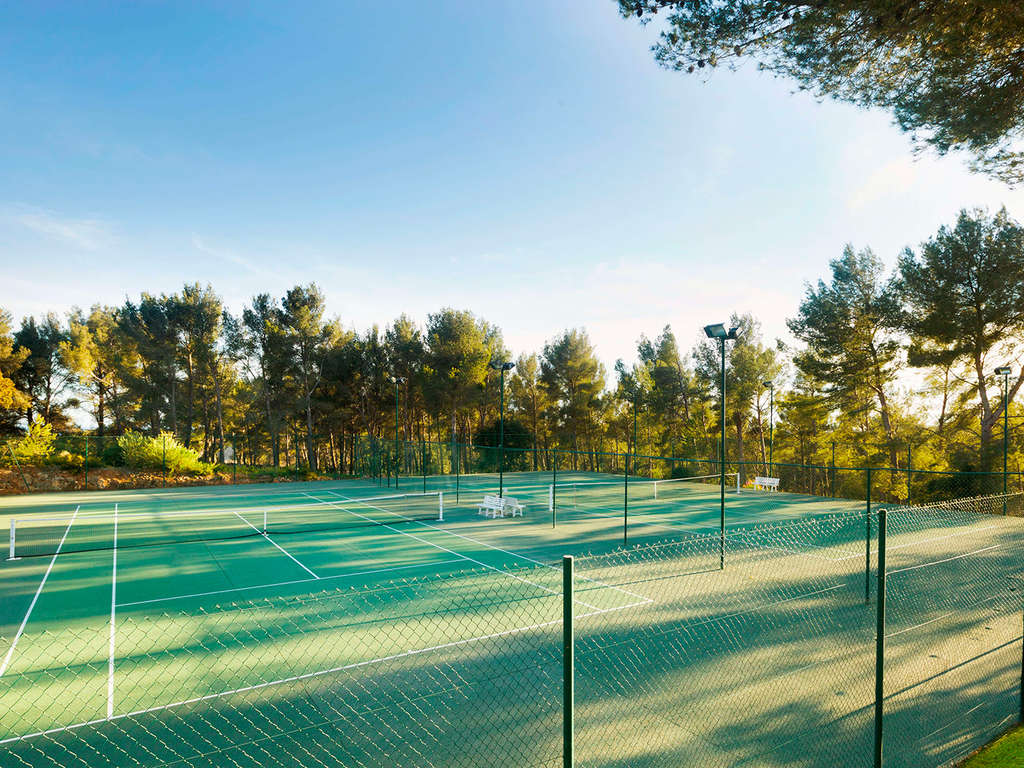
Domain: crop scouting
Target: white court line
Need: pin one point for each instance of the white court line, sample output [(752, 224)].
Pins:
[(266, 536), (389, 569), (113, 611), (39, 591), (513, 554), (918, 626), (945, 560), (946, 537), (340, 506), (311, 675)]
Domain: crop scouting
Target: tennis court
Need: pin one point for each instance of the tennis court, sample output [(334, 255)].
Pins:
[(142, 606)]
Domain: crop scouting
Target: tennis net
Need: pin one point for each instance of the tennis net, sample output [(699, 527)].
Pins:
[(37, 536), (610, 495)]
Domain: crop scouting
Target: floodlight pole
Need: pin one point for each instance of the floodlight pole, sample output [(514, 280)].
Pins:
[(718, 331), (501, 368), (397, 380), (721, 462), (771, 423)]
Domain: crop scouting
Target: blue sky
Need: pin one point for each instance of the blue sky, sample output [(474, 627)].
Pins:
[(527, 161)]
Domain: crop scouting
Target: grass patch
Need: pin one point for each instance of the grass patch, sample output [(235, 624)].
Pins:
[(1005, 752)]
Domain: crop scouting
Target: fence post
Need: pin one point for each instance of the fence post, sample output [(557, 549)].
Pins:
[(867, 543), (234, 460), (86, 462), (17, 465), (910, 478), (880, 640), (1022, 671), (568, 662), (163, 459), (625, 504), (833, 483), (554, 484)]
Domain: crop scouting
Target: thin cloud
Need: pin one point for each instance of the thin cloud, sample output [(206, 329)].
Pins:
[(84, 234), (226, 254)]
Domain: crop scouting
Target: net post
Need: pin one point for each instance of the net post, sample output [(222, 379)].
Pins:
[(867, 542), (737, 482), (440, 506), (11, 550), (264, 519), (568, 662), (880, 640)]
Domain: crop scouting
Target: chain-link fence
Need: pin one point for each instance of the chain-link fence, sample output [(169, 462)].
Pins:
[(92, 462), (890, 636)]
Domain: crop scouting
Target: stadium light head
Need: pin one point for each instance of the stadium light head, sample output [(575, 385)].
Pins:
[(768, 384), (716, 331), (500, 366), (1003, 371)]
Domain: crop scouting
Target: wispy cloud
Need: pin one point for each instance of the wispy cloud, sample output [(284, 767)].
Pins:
[(85, 234), (228, 255), (886, 182)]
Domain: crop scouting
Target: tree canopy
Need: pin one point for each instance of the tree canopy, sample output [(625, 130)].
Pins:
[(950, 73)]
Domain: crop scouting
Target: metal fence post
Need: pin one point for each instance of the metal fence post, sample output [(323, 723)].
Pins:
[(833, 483), (880, 640), (625, 504), (867, 542), (86, 462), (568, 662), (554, 484), (910, 478)]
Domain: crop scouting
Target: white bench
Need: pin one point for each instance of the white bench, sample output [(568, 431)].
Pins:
[(766, 483), (496, 506)]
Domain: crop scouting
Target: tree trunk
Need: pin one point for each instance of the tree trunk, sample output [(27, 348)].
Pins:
[(101, 397), (220, 418)]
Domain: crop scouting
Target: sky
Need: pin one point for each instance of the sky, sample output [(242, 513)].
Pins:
[(526, 161)]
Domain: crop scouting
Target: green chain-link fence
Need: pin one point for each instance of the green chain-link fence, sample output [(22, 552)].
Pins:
[(888, 635)]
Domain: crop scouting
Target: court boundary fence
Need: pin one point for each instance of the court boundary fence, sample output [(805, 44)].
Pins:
[(609, 655)]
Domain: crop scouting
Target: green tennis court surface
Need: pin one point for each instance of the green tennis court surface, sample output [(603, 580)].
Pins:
[(131, 607)]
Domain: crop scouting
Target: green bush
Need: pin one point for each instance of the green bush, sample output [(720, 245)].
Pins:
[(67, 460), (36, 445), (160, 452), (112, 455)]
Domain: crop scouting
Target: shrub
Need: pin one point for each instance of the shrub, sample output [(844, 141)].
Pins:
[(67, 460), (162, 451), (112, 455), (36, 445)]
